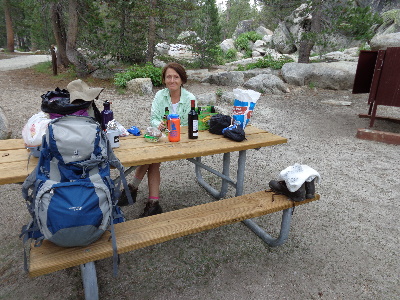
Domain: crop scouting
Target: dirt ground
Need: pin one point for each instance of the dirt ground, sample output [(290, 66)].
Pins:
[(344, 246)]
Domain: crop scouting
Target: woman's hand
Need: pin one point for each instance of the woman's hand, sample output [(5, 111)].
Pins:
[(162, 126)]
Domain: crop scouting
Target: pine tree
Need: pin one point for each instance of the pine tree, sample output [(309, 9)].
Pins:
[(208, 33), (236, 11)]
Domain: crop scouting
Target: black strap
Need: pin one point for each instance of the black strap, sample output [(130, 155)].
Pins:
[(97, 113)]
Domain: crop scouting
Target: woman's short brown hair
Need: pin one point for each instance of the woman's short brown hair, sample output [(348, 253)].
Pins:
[(178, 69)]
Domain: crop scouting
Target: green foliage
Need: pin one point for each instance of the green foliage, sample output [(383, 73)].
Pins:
[(364, 47), (275, 11), (231, 54), (117, 29), (44, 67), (391, 16), (242, 41), (267, 62), (236, 11), (136, 71), (218, 55), (219, 92), (47, 68), (357, 21), (208, 30), (31, 25)]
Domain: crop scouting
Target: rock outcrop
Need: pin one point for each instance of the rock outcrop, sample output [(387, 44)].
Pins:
[(335, 75)]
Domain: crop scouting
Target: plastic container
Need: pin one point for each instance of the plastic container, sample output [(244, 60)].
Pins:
[(151, 139), (113, 137), (174, 128)]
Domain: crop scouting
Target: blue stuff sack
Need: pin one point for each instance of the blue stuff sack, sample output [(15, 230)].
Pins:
[(235, 133), (134, 130)]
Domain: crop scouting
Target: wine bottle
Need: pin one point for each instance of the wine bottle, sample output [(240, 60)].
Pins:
[(165, 119), (193, 120)]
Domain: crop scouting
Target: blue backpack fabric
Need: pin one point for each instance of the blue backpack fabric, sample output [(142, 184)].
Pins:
[(70, 194)]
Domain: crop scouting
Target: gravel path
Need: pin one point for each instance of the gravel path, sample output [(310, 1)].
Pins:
[(344, 246), (22, 62)]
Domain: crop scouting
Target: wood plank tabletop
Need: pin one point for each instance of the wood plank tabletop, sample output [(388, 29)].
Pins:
[(134, 150)]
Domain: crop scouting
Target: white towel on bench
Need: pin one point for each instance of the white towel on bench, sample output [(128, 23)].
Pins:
[(294, 176)]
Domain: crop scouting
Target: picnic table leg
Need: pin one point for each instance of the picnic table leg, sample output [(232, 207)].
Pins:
[(89, 279), (268, 239), (224, 175), (126, 173), (240, 173)]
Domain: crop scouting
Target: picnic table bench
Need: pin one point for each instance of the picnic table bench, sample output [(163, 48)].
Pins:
[(139, 233)]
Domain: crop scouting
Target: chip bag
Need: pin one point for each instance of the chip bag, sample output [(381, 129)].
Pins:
[(243, 106)]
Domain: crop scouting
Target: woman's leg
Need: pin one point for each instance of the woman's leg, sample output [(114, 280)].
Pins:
[(153, 177), (154, 180), (141, 171), (152, 205), (133, 187)]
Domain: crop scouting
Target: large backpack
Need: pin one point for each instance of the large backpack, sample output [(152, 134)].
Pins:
[(70, 194)]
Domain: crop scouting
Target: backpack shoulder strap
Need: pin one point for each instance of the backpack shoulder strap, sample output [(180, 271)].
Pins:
[(29, 183), (115, 162), (96, 112)]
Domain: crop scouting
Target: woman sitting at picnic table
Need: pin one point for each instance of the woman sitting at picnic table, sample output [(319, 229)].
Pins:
[(177, 99)]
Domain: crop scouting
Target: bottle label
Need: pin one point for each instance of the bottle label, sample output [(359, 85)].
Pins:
[(173, 131), (195, 128)]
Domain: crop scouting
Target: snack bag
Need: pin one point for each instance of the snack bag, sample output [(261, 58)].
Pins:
[(34, 129), (205, 115), (243, 106)]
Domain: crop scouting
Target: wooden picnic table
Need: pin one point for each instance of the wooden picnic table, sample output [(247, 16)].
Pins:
[(135, 151), (134, 234)]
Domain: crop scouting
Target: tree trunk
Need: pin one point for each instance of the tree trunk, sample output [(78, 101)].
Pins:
[(152, 32), (306, 44), (9, 26), (305, 48), (59, 35), (73, 54)]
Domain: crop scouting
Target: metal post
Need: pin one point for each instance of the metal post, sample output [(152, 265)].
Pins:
[(286, 214), (53, 60), (225, 170), (240, 173), (126, 173), (224, 175), (89, 279), (268, 239)]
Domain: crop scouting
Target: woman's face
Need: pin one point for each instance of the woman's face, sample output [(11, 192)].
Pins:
[(172, 80)]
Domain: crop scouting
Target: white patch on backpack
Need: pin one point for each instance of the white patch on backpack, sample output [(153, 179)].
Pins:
[(76, 155), (75, 208)]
